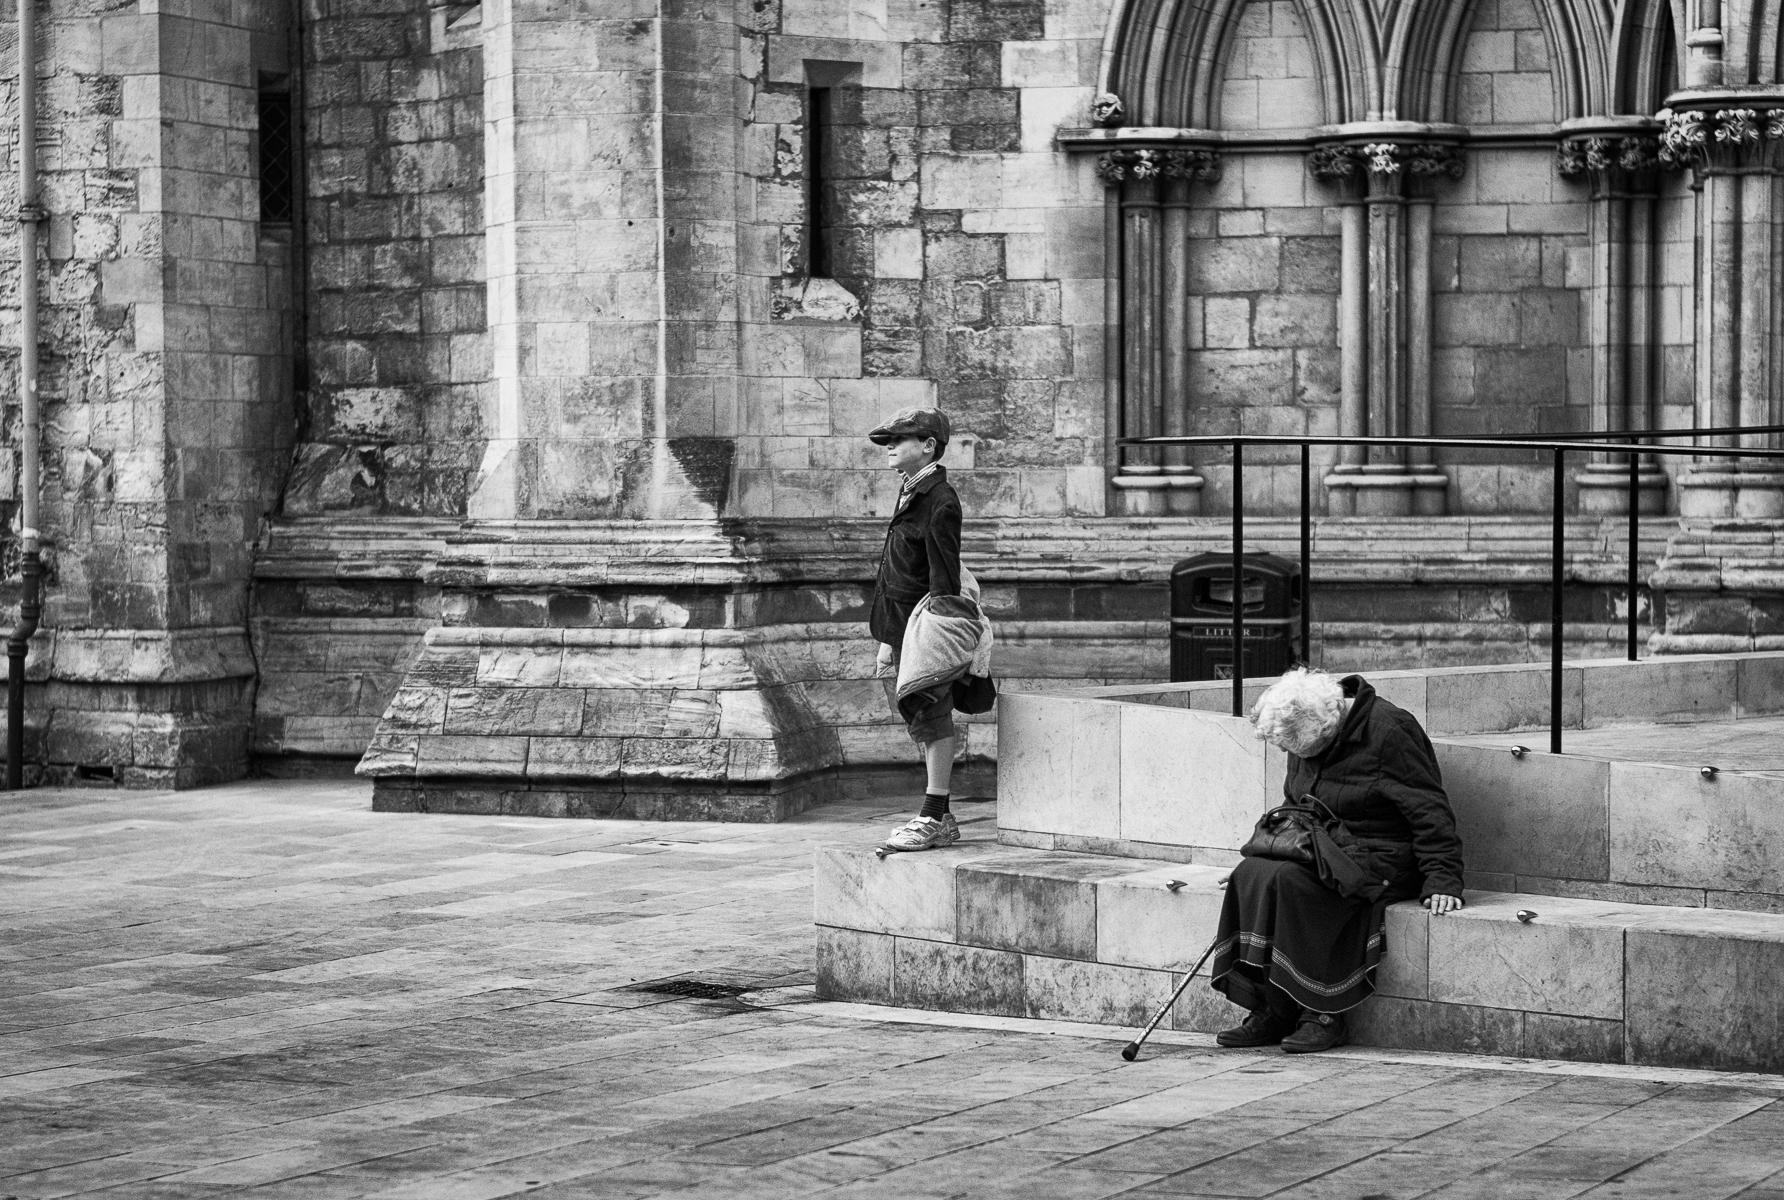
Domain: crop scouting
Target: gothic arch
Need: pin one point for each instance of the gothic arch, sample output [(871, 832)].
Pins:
[(1426, 41), (1644, 54), (1168, 55)]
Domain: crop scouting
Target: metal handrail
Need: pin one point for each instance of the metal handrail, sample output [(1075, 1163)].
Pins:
[(1559, 445)]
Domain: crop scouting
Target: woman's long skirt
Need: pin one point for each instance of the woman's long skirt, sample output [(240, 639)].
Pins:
[(1283, 931)]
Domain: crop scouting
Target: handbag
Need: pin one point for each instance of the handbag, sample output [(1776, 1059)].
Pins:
[(974, 694), (1311, 834)]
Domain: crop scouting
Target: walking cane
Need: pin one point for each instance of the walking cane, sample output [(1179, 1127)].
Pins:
[(1131, 1051)]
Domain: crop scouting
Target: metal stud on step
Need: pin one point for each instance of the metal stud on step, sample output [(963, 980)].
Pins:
[(1709, 772), (1519, 751)]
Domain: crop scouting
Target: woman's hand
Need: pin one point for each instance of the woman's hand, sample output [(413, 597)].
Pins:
[(1440, 903), (883, 661)]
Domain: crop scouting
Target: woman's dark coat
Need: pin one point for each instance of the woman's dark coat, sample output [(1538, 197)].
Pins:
[(922, 556), (1380, 777)]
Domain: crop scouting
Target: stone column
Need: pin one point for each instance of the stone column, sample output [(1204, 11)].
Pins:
[(611, 267), (1151, 243), (1735, 152), (1386, 331), (1620, 160)]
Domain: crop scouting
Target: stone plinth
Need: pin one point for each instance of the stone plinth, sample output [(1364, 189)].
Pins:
[(780, 608)]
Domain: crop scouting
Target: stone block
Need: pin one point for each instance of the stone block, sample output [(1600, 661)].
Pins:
[(1226, 323), (480, 756), (563, 758), (1426, 1025), (1060, 990), (963, 181), (1499, 699), (510, 711), (854, 966), (1404, 969), (1218, 266), (1568, 961), (1507, 811), (1761, 684), (1660, 689), (390, 755), (937, 975), (1037, 903), (1189, 778), (1702, 992), (909, 895), (416, 710), (1573, 1039), (1669, 826), (1060, 771), (1295, 321), (598, 667), (1141, 924), (1201, 1009)]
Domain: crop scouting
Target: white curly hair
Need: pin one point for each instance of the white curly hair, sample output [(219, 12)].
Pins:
[(1300, 712)]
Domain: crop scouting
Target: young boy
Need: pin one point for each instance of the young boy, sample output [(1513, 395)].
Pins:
[(921, 558)]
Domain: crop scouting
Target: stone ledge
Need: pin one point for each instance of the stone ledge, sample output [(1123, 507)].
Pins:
[(140, 656), (987, 928)]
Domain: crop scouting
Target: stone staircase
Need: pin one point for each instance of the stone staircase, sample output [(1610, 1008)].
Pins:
[(1658, 887)]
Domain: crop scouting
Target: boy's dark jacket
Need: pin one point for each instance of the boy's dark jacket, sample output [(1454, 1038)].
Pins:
[(922, 556), (1380, 777)]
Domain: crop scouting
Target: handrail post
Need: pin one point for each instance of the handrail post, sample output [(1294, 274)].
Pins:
[(1634, 545), (1556, 575), (1238, 577), (1306, 552)]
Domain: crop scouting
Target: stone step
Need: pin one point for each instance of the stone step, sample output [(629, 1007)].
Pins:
[(987, 928)]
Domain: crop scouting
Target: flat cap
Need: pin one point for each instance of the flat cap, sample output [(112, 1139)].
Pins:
[(909, 422)]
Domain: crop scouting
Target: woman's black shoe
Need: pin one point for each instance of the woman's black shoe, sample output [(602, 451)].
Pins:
[(1316, 1032), (1261, 1028)]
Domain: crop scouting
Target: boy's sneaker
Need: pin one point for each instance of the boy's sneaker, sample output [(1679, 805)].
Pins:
[(925, 833)]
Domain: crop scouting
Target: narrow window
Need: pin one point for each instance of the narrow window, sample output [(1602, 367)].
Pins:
[(276, 174), (819, 201)]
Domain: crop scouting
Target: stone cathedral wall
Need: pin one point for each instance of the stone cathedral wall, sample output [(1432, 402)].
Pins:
[(583, 308)]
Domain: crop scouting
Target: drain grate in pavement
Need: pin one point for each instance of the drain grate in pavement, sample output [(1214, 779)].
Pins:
[(695, 989)]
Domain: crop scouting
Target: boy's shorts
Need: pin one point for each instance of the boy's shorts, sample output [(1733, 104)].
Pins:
[(928, 714)]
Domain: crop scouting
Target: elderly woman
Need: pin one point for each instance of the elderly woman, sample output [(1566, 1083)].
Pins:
[(1293, 951)]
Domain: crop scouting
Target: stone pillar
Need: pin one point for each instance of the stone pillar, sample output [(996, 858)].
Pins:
[(1386, 333), (1735, 153), (1152, 247), (1620, 161), (166, 385), (610, 243)]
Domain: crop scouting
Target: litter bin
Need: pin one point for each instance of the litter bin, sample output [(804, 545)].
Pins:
[(1202, 616)]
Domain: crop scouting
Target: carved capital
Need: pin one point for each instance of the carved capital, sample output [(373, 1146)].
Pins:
[(1421, 159), (1721, 138), (1201, 166), (1608, 157)]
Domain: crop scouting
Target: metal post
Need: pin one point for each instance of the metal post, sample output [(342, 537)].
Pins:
[(1556, 574), (30, 216), (1238, 578), (1306, 552), (1634, 545)]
